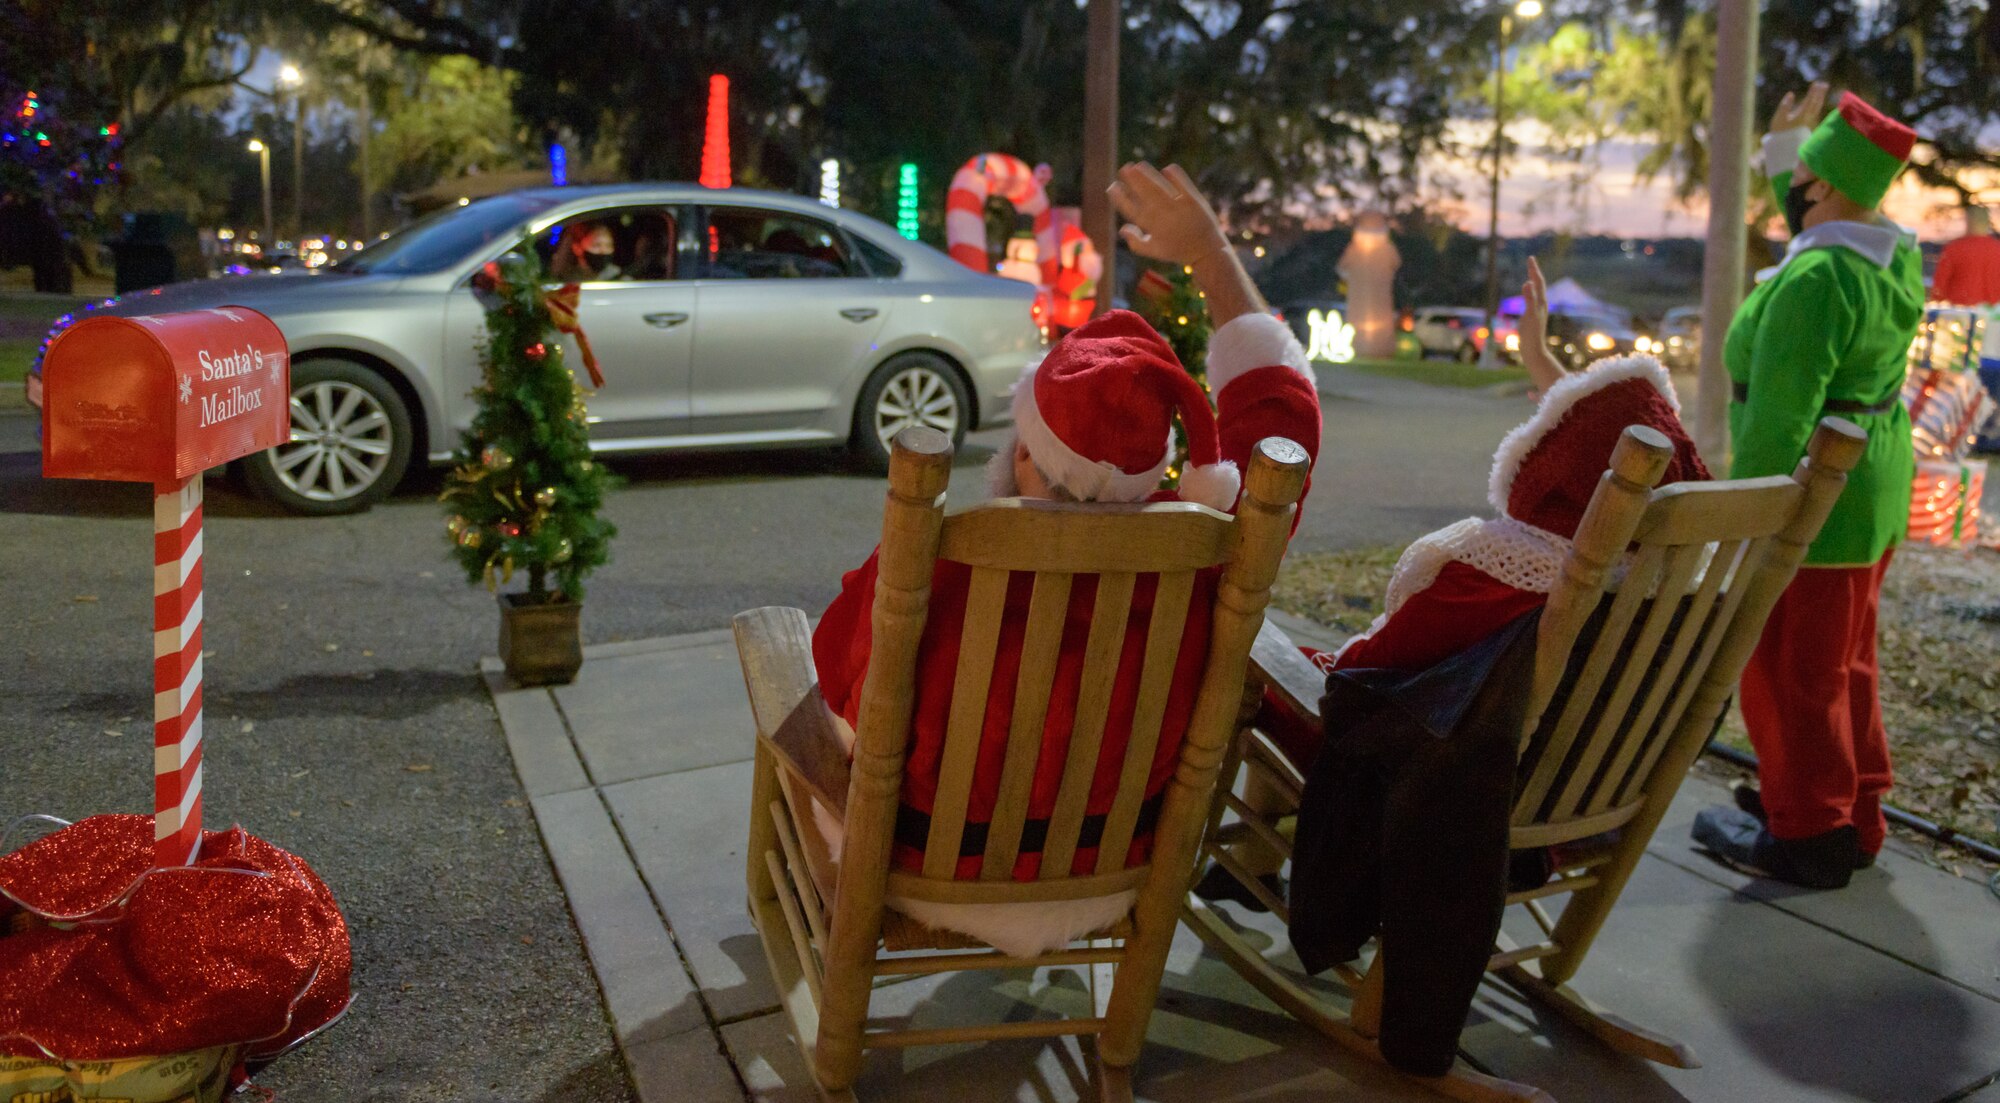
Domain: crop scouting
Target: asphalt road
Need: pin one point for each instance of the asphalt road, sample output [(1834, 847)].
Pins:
[(345, 721)]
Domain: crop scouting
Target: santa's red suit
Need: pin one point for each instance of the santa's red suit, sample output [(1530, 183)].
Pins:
[(1096, 419), (1460, 584)]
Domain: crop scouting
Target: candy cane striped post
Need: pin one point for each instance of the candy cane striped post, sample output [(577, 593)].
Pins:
[(177, 671)]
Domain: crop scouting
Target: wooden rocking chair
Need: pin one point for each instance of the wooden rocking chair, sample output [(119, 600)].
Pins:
[(1625, 694), (826, 929)]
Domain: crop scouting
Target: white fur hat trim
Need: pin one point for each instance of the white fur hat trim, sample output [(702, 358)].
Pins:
[(1567, 392), (1249, 342), (1089, 480)]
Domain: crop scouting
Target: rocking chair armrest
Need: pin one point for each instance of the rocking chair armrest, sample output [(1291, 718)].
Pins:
[(774, 645), (1277, 662)]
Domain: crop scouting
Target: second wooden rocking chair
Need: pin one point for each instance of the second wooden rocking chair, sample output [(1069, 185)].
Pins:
[(1625, 693)]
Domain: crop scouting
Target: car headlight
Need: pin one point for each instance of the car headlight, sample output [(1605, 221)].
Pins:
[(1600, 342), (1674, 341), (1642, 344), (1513, 342)]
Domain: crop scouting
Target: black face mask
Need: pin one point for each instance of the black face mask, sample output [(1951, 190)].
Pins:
[(1796, 206)]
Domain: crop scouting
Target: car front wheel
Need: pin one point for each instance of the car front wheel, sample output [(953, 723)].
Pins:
[(351, 441), (916, 388)]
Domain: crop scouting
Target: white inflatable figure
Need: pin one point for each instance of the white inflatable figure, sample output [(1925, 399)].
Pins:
[(1369, 267)]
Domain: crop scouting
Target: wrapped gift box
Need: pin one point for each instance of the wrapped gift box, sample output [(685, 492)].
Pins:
[(1944, 505)]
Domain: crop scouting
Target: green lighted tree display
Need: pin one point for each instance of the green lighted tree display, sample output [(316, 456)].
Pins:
[(524, 492), (1169, 301)]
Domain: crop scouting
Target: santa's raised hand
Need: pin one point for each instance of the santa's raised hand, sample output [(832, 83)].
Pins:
[(1166, 216)]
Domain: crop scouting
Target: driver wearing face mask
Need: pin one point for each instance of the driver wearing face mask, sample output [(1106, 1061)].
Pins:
[(1826, 331), (584, 254)]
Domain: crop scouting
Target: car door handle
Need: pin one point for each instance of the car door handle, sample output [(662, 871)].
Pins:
[(859, 313), (666, 320)]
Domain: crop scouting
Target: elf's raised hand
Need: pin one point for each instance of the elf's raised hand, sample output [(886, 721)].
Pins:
[(1794, 112), (1166, 216)]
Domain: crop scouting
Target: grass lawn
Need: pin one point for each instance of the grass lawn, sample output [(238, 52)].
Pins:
[(15, 354), (25, 318), (1940, 693), (1441, 373)]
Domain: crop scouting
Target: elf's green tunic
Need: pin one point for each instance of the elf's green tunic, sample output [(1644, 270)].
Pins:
[(1830, 325)]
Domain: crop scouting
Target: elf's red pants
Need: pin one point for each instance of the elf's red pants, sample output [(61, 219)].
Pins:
[(1809, 699)]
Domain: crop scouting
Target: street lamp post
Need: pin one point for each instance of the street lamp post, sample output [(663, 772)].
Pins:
[(290, 77), (1526, 9), (263, 153)]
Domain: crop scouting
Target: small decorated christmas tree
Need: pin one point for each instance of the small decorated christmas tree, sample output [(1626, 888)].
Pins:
[(524, 492), (1169, 301)]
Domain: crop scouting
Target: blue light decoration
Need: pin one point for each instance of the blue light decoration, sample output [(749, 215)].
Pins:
[(558, 164), (906, 200)]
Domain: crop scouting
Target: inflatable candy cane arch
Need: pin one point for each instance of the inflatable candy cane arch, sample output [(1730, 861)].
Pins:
[(1007, 177)]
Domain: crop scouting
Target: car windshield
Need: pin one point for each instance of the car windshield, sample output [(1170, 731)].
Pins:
[(443, 238)]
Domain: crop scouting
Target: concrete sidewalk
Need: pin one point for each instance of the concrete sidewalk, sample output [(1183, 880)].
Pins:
[(639, 779)]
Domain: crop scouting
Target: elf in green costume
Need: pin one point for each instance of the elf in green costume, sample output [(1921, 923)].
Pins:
[(1827, 331)]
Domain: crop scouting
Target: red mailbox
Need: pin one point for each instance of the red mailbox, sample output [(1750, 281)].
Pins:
[(157, 399)]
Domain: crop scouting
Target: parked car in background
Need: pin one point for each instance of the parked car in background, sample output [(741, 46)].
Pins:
[(1577, 337), (1680, 338), (724, 319), (1449, 331)]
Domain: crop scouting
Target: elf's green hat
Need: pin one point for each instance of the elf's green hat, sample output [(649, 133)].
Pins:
[(1858, 150)]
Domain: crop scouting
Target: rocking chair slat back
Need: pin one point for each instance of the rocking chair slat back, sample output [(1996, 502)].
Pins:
[(1163, 649), (985, 606), (1048, 612), (1101, 656)]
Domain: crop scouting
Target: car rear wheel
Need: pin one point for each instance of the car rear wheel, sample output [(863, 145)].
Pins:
[(1467, 354), (916, 388), (351, 442)]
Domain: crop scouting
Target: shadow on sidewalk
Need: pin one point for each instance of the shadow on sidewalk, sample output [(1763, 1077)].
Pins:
[(1802, 1020)]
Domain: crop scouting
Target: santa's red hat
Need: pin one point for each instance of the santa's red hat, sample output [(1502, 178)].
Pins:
[(1546, 469), (1096, 416)]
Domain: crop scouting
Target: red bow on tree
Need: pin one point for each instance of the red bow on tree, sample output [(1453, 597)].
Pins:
[(489, 283), (562, 304)]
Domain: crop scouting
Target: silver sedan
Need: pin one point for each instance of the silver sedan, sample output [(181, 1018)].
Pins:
[(722, 318)]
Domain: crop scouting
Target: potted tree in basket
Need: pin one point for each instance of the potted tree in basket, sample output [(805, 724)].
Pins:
[(524, 492)]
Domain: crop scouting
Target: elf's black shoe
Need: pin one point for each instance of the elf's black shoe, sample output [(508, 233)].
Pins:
[(1751, 799), (1219, 884), (1823, 861)]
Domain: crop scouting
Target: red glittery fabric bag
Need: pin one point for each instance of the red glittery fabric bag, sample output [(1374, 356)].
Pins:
[(104, 957)]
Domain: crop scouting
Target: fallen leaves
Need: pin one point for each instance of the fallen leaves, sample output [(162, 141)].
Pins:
[(1340, 589), (1938, 643), (418, 768)]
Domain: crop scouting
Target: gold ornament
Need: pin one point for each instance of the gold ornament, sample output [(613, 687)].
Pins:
[(546, 497), (454, 524), (468, 538), (564, 549), (496, 457)]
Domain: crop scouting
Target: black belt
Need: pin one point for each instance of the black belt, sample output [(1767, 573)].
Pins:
[(913, 829), (1741, 391)]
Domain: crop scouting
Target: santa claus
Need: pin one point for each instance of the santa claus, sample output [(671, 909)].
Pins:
[(1093, 423)]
